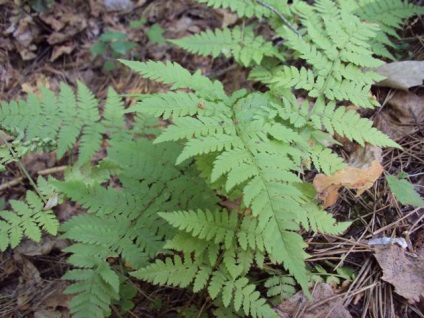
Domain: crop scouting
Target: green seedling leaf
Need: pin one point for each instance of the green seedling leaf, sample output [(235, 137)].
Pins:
[(404, 192), (109, 66), (112, 36), (41, 6), (122, 47), (99, 48), (136, 24), (155, 34), (346, 272)]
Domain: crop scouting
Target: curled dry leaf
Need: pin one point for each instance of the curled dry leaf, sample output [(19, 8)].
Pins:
[(317, 307), (44, 247), (359, 179), (58, 51), (405, 272), (402, 115)]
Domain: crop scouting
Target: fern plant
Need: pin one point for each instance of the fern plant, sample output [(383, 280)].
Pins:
[(253, 145), (164, 196)]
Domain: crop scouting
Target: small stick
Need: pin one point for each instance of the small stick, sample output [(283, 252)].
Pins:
[(11, 183), (266, 5), (51, 170)]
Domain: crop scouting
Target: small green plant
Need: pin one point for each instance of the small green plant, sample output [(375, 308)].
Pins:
[(154, 33), (250, 147), (404, 191), (111, 44)]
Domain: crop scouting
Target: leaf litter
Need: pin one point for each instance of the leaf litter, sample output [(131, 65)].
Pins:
[(405, 271), (324, 303)]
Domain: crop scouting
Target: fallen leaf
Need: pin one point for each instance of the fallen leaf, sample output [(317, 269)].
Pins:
[(118, 5), (401, 75), (41, 81), (28, 282), (58, 51), (405, 272), (74, 25), (25, 32), (54, 295), (360, 179), (317, 307), (45, 313), (54, 23), (44, 247), (228, 18), (402, 114)]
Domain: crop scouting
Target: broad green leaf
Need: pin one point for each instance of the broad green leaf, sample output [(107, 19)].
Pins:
[(404, 192)]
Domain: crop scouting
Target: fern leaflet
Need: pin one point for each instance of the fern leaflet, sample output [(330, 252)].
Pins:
[(243, 45), (27, 218)]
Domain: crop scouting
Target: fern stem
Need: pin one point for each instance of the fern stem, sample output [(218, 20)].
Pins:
[(22, 168), (266, 5)]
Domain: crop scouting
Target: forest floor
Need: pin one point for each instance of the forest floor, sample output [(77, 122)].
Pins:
[(43, 44)]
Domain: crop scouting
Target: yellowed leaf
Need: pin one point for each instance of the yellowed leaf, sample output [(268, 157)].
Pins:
[(359, 179)]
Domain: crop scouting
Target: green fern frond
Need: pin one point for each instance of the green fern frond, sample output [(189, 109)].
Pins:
[(281, 286), (98, 200), (326, 161), (241, 294), (187, 127), (216, 226), (337, 45), (389, 15), (94, 290), (321, 221), (208, 144), (63, 118), (175, 272), (174, 104), (105, 233), (346, 122), (268, 168), (179, 77), (243, 8), (243, 45), (26, 219)]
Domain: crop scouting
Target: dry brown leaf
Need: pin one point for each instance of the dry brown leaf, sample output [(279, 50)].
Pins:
[(401, 75), (44, 247), (359, 179), (58, 51), (44, 313), (55, 24), (405, 272), (28, 282), (54, 296), (401, 116), (30, 88), (317, 307), (228, 18), (25, 32), (74, 25)]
